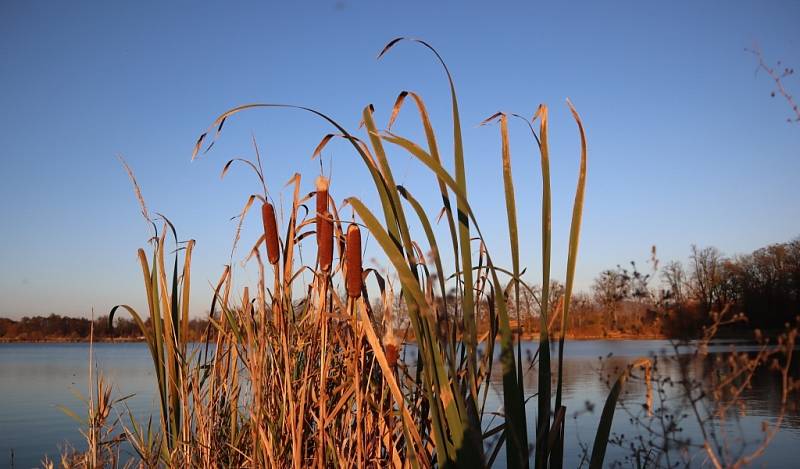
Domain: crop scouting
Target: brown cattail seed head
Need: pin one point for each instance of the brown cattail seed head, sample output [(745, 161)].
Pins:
[(270, 232), (354, 268), (392, 354), (325, 241), (324, 226), (322, 194)]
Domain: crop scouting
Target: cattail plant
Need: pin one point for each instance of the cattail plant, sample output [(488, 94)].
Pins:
[(354, 267), (325, 389), (324, 226), (270, 232)]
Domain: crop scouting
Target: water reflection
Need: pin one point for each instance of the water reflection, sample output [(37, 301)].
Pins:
[(590, 368), (34, 378)]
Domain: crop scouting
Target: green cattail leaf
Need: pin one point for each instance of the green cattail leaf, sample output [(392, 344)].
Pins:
[(574, 238), (543, 424), (607, 417)]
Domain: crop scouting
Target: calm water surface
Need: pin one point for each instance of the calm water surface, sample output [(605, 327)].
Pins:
[(36, 378)]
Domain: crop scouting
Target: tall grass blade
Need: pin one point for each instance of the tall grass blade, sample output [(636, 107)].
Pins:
[(574, 238), (543, 422)]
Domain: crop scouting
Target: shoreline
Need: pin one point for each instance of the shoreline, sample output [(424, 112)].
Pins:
[(525, 337), (69, 340)]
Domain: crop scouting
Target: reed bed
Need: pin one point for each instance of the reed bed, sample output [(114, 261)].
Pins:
[(319, 378)]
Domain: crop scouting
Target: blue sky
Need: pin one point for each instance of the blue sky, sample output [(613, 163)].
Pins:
[(685, 144)]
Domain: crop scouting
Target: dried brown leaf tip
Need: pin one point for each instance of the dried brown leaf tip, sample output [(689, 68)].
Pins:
[(324, 226), (354, 267), (270, 232)]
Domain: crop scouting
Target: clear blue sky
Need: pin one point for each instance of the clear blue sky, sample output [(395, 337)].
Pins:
[(685, 144)]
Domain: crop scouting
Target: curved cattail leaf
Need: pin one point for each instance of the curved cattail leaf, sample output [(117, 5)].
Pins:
[(199, 144), (270, 232), (389, 45), (396, 108), (321, 145), (241, 160), (371, 111), (354, 267), (361, 146), (170, 225), (493, 117), (530, 126), (300, 271), (304, 235)]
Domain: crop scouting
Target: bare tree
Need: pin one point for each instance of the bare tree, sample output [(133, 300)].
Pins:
[(706, 276), (778, 75), (674, 275), (609, 288)]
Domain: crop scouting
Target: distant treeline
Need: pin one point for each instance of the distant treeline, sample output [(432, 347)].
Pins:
[(679, 298), (62, 328), (763, 285), (676, 299)]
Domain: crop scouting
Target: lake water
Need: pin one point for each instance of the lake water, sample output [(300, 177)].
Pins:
[(36, 378)]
